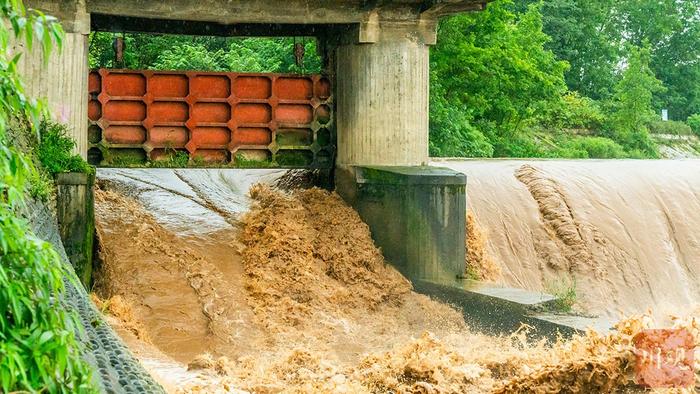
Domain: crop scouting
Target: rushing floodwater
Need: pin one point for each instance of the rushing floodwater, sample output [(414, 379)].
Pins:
[(294, 297), (628, 231)]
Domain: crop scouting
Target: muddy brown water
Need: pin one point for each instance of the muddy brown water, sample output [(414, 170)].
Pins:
[(218, 292), (625, 230)]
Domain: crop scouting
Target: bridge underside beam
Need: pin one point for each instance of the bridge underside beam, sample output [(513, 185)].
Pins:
[(129, 24), (281, 11)]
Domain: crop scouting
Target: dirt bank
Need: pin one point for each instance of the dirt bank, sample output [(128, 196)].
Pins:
[(625, 231)]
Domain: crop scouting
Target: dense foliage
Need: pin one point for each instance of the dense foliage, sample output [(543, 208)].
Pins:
[(694, 123), (562, 77), (171, 52), (38, 348), (492, 69), (632, 104)]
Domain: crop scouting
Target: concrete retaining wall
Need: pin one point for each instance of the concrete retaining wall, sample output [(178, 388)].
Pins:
[(61, 83), (75, 210)]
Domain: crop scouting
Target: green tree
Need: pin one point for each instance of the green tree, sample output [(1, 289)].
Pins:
[(584, 33), (451, 131), (190, 57), (632, 103), (492, 73), (272, 55), (203, 53), (593, 36), (672, 29)]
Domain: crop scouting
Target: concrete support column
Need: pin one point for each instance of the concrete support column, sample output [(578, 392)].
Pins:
[(62, 80), (382, 94), (416, 212)]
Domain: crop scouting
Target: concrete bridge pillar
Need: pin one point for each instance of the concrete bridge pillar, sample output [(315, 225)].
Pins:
[(416, 212), (61, 81), (382, 93)]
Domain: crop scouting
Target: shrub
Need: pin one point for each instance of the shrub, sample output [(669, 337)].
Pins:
[(694, 123), (55, 150), (669, 127), (516, 144), (175, 159), (569, 152), (37, 335), (453, 135), (638, 140), (576, 112), (40, 185), (595, 148), (564, 290)]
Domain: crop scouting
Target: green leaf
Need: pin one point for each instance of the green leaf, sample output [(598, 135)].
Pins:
[(45, 337)]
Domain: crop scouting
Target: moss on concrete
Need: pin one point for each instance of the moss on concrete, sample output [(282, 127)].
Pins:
[(243, 162), (124, 157), (417, 216)]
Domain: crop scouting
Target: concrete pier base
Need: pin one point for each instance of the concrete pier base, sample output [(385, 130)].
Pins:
[(416, 215), (75, 212)]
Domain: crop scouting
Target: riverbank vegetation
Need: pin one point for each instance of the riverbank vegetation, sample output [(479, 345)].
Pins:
[(565, 78), (39, 351)]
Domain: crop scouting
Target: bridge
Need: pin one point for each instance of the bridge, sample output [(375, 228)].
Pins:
[(364, 120)]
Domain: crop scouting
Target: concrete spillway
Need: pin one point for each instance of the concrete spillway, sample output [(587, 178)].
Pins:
[(626, 231)]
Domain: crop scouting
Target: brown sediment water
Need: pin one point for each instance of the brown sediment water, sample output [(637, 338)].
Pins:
[(626, 231), (215, 291), (480, 264)]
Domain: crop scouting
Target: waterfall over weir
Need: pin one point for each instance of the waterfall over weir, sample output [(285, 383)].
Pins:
[(627, 231)]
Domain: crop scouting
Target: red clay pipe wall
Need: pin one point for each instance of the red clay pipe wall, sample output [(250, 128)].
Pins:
[(223, 119)]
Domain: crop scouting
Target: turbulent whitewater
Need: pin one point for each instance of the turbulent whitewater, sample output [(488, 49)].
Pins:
[(220, 282)]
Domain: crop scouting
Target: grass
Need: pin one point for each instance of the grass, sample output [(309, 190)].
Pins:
[(55, 150), (243, 162), (176, 159), (40, 185), (472, 273), (50, 151), (564, 289)]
